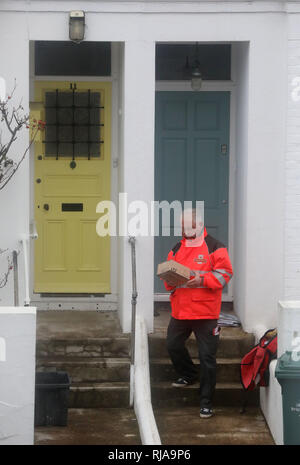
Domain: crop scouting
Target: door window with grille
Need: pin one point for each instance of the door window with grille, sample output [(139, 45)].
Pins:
[(73, 124)]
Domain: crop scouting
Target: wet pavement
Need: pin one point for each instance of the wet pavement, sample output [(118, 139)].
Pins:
[(103, 426)]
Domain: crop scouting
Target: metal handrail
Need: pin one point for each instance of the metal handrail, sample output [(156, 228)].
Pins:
[(140, 392), (133, 317)]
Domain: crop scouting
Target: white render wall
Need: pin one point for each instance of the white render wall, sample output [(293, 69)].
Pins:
[(15, 198), (292, 165), (17, 374), (260, 145)]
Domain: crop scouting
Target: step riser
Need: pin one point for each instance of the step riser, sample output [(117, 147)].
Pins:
[(105, 347), (174, 397), (167, 397), (225, 373), (228, 348), (85, 374), (91, 398)]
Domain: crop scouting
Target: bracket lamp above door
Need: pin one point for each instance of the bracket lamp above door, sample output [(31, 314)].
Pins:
[(77, 26)]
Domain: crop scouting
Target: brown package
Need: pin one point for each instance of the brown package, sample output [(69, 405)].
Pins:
[(173, 273)]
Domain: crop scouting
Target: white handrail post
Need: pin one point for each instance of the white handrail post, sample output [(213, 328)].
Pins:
[(16, 278), (26, 270), (25, 242)]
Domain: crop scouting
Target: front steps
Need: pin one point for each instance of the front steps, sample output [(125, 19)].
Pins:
[(234, 344), (91, 348), (176, 410)]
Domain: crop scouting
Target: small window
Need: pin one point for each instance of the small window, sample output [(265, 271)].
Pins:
[(175, 61), (73, 127), (70, 59)]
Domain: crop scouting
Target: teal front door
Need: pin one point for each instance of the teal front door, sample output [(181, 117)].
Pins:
[(192, 159)]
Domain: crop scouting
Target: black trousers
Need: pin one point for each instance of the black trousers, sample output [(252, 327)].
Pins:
[(207, 341)]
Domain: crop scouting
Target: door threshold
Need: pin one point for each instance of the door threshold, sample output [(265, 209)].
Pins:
[(75, 305), (72, 295)]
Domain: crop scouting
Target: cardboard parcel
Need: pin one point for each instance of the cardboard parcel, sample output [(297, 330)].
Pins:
[(173, 273)]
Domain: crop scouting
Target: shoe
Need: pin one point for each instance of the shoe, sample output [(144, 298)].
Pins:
[(181, 382), (206, 412)]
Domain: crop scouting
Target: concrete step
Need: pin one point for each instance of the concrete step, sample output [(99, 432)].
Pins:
[(234, 343), (228, 369), (99, 395), (105, 426), (163, 394), (112, 346), (183, 426), (88, 369)]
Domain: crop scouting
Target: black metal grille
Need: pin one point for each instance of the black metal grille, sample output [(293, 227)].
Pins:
[(73, 126)]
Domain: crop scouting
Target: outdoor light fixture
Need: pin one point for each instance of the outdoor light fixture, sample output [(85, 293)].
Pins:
[(196, 79), (76, 26)]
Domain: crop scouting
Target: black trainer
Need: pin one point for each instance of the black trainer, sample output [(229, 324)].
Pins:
[(206, 412), (182, 382)]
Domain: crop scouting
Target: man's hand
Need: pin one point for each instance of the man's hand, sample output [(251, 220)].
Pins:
[(197, 281)]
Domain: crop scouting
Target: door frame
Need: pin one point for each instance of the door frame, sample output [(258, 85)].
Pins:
[(179, 86), (80, 302)]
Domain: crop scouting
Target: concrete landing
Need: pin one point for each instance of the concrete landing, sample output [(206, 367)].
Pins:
[(183, 426), (62, 324), (105, 426)]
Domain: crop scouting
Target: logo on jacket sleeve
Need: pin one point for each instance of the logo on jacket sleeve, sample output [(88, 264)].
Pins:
[(200, 259)]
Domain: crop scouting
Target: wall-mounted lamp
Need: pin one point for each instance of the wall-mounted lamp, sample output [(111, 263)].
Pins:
[(196, 76), (76, 26), (196, 80)]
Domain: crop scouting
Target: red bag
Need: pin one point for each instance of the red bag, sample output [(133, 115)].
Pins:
[(255, 364)]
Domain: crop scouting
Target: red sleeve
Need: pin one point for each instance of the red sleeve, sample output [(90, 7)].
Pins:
[(221, 272)]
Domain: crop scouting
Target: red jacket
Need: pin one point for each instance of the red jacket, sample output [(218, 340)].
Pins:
[(213, 261)]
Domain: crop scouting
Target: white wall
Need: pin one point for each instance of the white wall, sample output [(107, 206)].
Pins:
[(138, 172), (17, 375), (14, 198), (260, 184), (271, 405), (259, 219), (241, 54), (292, 166)]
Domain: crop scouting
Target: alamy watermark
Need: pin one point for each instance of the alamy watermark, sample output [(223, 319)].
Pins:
[(140, 218)]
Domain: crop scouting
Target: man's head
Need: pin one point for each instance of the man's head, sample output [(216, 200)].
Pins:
[(192, 223)]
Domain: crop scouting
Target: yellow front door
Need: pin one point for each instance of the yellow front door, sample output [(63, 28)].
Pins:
[(72, 174)]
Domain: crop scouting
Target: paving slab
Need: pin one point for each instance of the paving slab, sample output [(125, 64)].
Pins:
[(103, 426), (183, 426)]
